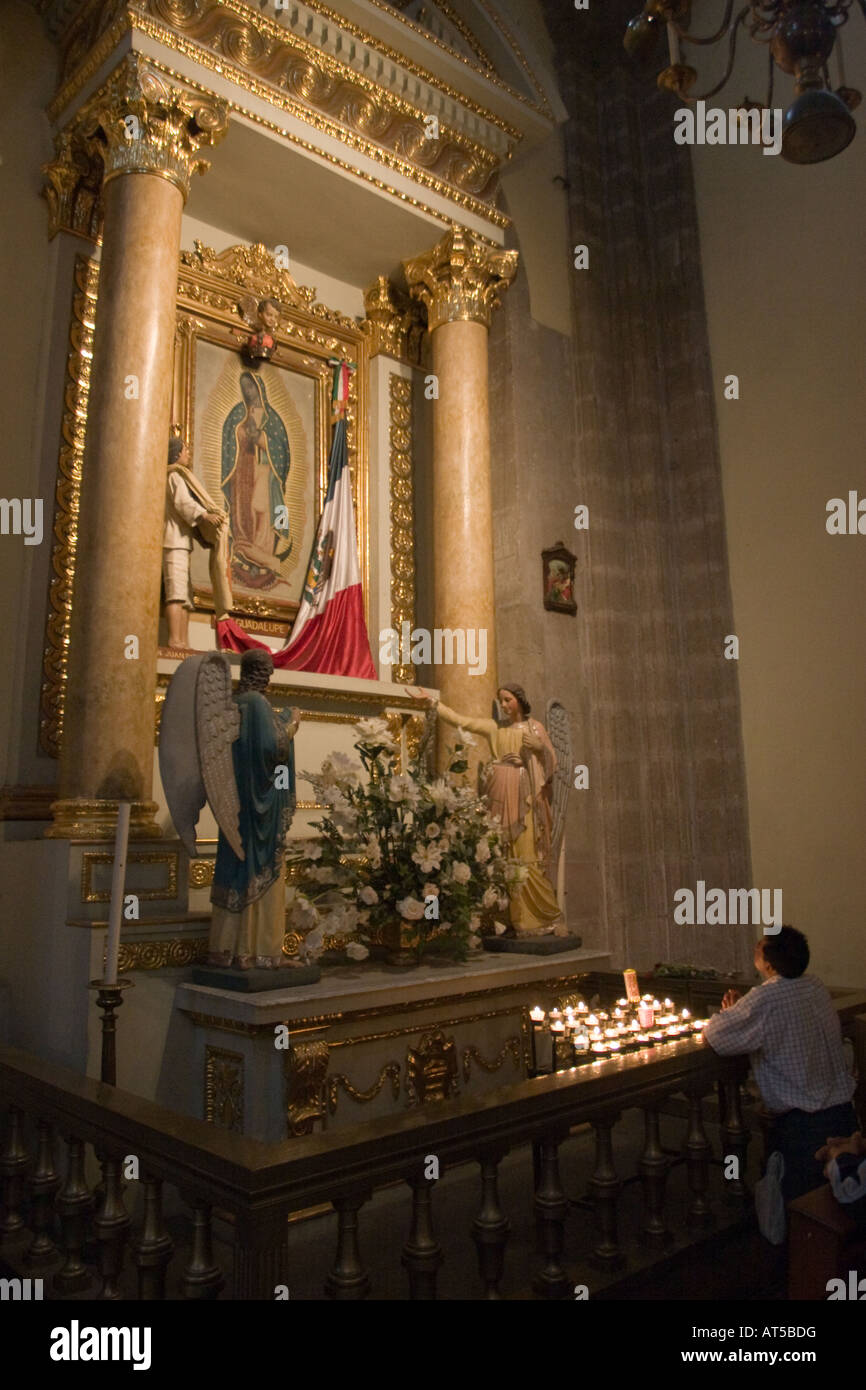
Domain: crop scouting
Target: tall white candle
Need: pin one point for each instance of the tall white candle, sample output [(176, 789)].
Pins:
[(118, 877)]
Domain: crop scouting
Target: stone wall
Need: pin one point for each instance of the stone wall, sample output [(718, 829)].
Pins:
[(621, 418)]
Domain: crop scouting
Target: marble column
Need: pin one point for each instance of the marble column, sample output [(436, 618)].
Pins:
[(148, 136), (460, 281)]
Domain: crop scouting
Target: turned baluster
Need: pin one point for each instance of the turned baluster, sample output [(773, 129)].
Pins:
[(422, 1253), (43, 1189), (348, 1278), (202, 1278), (735, 1140), (604, 1188), (13, 1163), (153, 1248), (550, 1208), (111, 1225), (654, 1171), (698, 1161), (490, 1228), (74, 1205)]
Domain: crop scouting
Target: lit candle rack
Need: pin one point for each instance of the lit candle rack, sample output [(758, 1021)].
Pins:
[(562, 1039)]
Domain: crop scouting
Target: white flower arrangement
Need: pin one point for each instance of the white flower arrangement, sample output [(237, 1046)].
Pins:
[(399, 846)]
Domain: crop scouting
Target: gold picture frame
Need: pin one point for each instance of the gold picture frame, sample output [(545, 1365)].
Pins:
[(296, 383)]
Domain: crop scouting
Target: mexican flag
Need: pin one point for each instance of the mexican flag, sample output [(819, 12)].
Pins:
[(329, 633)]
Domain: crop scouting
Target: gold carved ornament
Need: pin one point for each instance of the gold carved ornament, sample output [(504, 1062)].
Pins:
[(162, 953), (402, 515), (510, 1048), (462, 278), (268, 59), (201, 872), (224, 1089), (431, 1068), (393, 322), (138, 124), (67, 503), (390, 1072), (305, 1068)]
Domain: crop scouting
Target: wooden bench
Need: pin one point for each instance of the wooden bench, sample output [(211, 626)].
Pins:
[(825, 1243)]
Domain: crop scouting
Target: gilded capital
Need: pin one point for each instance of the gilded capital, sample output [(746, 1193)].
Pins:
[(462, 277), (138, 124), (392, 321)]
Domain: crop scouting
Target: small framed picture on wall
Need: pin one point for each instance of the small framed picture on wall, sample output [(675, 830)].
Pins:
[(557, 568)]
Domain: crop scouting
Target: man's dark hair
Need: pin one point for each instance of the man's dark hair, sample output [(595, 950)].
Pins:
[(175, 449), (787, 952)]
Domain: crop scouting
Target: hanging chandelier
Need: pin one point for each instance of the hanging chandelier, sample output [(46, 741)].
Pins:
[(800, 36)]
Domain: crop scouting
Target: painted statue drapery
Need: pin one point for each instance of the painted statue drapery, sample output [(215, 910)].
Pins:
[(248, 895), (518, 790)]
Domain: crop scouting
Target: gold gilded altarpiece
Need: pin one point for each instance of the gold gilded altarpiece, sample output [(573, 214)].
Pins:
[(209, 288)]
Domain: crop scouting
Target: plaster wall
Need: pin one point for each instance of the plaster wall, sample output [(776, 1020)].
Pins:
[(785, 281)]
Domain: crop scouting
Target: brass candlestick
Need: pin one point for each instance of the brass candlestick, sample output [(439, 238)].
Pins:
[(109, 999)]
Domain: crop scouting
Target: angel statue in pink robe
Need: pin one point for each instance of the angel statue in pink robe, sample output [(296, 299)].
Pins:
[(518, 786)]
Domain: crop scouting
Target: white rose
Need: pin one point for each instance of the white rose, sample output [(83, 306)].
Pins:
[(430, 890), (410, 909), (355, 951), (432, 830), (460, 872), (368, 895), (482, 852), (490, 899)]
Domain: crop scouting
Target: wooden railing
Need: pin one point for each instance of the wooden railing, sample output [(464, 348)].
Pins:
[(257, 1186)]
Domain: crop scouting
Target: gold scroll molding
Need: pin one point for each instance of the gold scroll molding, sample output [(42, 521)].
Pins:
[(93, 859), (393, 322), (156, 955), (460, 278), (402, 513), (224, 1088), (390, 1072), (267, 59), (510, 1048)]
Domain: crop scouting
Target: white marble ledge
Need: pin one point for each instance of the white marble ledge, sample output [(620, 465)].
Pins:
[(347, 989)]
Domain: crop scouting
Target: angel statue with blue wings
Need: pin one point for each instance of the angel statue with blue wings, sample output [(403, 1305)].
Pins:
[(235, 752)]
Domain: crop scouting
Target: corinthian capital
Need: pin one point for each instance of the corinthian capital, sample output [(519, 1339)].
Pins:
[(462, 277), (138, 124)]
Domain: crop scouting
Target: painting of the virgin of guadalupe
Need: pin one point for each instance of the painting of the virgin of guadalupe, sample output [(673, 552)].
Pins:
[(255, 460), (254, 446)]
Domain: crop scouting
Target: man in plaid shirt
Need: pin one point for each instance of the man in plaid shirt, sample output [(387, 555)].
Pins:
[(791, 1031)]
